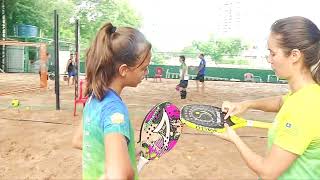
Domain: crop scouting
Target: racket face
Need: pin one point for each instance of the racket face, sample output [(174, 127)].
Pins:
[(160, 130), (204, 117)]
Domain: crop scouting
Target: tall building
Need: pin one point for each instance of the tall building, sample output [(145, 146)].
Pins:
[(229, 18)]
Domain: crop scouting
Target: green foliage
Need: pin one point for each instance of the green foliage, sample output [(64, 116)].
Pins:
[(190, 52), (234, 60), (158, 57), (243, 62), (216, 49), (91, 13), (23, 12)]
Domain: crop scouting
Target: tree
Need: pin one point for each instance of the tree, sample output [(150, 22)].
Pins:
[(233, 46), (91, 13), (216, 49), (190, 51), (23, 12)]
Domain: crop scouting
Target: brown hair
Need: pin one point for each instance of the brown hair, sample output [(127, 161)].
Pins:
[(300, 33), (111, 48), (183, 58)]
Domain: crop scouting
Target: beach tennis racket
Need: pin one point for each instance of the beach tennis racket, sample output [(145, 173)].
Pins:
[(211, 119), (159, 133)]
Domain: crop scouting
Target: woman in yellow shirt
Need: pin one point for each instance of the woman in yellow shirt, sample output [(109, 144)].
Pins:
[(294, 139)]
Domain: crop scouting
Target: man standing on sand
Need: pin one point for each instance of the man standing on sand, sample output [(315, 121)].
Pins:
[(201, 71)]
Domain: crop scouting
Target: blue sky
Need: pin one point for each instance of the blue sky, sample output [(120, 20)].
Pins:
[(172, 24)]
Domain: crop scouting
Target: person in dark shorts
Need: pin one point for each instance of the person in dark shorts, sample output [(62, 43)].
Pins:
[(201, 71), (184, 77), (71, 70)]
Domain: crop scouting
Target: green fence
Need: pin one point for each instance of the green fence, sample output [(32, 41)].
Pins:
[(82, 67), (218, 72)]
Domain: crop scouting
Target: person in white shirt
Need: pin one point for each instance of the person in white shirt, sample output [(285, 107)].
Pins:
[(184, 77)]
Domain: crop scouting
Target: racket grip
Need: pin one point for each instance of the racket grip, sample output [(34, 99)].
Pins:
[(259, 124), (141, 163)]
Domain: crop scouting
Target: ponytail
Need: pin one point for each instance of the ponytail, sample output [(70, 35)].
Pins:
[(100, 55), (112, 47), (315, 69)]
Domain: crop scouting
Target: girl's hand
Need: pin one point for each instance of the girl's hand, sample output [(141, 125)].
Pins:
[(234, 108), (229, 135), (138, 151)]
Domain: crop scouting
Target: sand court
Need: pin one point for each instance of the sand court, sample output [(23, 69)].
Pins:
[(35, 139)]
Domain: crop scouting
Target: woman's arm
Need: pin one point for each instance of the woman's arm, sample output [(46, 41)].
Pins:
[(272, 166), (117, 160), (77, 138), (270, 104)]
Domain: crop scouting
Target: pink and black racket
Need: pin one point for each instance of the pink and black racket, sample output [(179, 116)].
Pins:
[(159, 133)]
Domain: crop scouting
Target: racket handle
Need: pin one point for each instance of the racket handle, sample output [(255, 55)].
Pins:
[(259, 124), (141, 163)]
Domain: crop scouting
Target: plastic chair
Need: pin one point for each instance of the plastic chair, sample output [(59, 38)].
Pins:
[(257, 79), (158, 73), (80, 100), (170, 75), (273, 78), (248, 77)]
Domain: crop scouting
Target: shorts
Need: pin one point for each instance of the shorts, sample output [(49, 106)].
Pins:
[(183, 83), (72, 73), (200, 77), (40, 75)]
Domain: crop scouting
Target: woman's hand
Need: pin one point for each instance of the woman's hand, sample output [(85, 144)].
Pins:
[(234, 108), (229, 135)]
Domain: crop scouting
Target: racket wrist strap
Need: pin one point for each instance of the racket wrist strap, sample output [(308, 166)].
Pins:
[(142, 161), (250, 123)]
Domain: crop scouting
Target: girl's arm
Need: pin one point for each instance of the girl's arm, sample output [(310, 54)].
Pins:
[(117, 160), (77, 138)]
